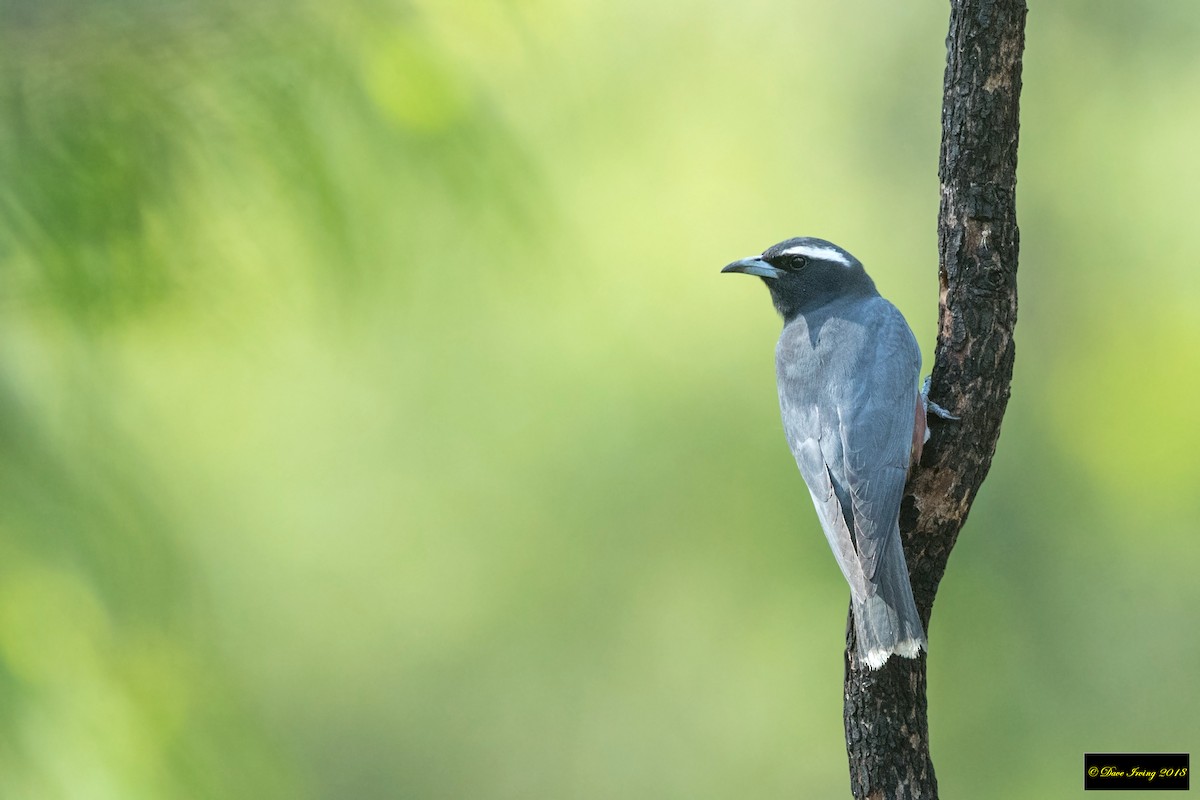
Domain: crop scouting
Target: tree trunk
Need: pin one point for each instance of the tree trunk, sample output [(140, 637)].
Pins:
[(887, 732)]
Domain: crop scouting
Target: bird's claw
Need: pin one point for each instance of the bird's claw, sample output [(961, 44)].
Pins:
[(932, 406)]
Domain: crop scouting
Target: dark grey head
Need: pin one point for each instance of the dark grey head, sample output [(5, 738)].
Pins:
[(804, 274)]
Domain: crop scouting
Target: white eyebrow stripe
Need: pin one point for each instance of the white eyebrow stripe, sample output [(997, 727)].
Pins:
[(817, 252)]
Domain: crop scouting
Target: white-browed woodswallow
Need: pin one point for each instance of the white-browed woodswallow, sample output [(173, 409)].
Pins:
[(847, 366)]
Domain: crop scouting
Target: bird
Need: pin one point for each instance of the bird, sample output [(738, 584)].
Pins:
[(847, 366)]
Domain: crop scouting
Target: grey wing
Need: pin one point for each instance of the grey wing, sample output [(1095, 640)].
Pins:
[(828, 500), (876, 429)]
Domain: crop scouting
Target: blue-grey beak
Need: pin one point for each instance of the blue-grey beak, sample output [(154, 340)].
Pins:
[(753, 266)]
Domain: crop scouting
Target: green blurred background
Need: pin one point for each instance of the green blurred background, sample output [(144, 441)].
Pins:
[(374, 422)]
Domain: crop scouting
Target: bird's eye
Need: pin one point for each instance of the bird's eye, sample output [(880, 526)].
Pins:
[(796, 262)]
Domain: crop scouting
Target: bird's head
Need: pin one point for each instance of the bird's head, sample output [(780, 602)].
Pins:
[(805, 273)]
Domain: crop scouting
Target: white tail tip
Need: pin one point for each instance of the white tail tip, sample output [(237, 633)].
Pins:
[(908, 648)]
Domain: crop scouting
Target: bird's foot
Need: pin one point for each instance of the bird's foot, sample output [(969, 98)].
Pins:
[(932, 406)]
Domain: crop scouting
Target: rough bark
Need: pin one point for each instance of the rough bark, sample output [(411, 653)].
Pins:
[(887, 731)]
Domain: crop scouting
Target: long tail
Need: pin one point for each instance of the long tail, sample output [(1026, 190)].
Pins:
[(886, 622)]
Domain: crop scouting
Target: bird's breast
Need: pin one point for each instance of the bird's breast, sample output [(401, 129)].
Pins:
[(819, 356)]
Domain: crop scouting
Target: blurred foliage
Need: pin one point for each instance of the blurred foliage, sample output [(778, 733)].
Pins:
[(374, 422)]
